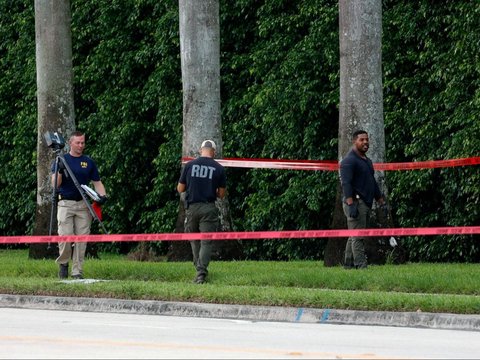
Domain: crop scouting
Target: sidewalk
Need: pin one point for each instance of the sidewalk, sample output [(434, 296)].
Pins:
[(246, 312)]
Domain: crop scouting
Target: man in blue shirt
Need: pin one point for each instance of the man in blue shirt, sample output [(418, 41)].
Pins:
[(203, 180), (73, 215), (359, 189)]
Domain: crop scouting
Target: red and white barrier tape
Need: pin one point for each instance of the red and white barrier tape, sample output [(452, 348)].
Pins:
[(427, 164), (249, 235), (331, 165), (327, 165)]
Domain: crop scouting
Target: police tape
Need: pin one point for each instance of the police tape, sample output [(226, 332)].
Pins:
[(248, 235), (331, 165), (427, 164)]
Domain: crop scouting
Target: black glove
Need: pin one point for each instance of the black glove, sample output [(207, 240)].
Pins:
[(61, 167), (384, 209), (102, 200), (353, 210)]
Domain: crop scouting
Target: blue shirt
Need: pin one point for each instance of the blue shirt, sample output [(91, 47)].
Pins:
[(202, 177), (357, 178), (84, 170)]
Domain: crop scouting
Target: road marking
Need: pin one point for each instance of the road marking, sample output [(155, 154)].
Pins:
[(167, 346)]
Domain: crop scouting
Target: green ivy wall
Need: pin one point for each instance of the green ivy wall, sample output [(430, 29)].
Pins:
[(280, 78)]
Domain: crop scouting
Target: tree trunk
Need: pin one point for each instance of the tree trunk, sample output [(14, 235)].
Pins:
[(361, 107), (200, 62), (55, 103)]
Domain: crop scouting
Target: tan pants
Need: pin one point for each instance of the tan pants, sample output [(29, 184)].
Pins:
[(73, 219)]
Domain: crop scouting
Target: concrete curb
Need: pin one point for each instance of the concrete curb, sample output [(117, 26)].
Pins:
[(245, 312)]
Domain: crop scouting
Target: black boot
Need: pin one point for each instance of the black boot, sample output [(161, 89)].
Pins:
[(63, 271)]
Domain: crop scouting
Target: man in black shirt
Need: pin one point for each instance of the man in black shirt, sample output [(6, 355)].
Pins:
[(203, 180), (359, 189)]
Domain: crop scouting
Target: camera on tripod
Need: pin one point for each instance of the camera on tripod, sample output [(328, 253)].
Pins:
[(54, 140)]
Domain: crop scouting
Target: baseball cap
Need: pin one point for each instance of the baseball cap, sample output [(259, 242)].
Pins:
[(209, 144)]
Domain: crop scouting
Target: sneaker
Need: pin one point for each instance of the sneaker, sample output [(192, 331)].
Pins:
[(63, 271), (77, 277), (200, 279)]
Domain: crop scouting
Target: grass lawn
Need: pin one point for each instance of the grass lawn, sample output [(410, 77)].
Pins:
[(449, 288)]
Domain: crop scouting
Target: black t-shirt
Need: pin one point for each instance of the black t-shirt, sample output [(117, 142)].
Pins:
[(203, 176)]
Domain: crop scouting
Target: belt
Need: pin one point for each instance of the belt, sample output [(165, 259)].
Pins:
[(61, 197), (201, 202)]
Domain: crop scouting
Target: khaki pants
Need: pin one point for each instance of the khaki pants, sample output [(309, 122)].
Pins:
[(201, 217), (73, 219), (355, 248)]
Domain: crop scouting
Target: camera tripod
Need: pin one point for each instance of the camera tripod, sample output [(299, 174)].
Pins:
[(60, 159)]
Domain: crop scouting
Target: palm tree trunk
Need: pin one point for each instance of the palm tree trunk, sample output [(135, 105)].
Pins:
[(55, 102)]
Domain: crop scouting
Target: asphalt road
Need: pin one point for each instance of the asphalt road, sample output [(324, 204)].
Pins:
[(55, 334)]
